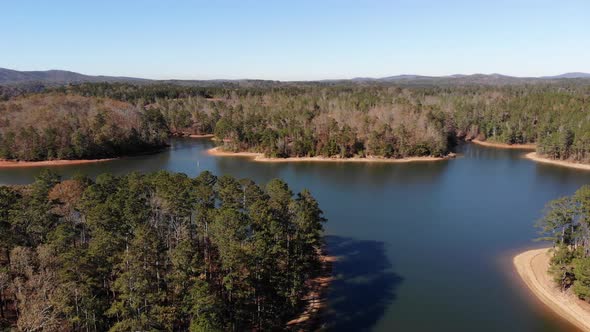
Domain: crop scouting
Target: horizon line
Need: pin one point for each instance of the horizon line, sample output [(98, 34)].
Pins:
[(455, 75)]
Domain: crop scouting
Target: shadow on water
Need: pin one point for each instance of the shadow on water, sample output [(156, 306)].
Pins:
[(364, 284)]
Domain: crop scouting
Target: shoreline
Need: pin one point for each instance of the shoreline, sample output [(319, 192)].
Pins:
[(315, 299), (58, 162), (504, 145), (201, 135), (533, 156), (532, 267), (67, 162), (259, 157)]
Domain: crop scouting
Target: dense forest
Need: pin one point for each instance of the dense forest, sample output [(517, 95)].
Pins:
[(344, 119), (151, 252), (60, 126), (567, 224), (336, 119)]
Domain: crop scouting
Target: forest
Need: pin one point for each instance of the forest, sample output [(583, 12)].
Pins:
[(155, 252), (330, 119), (59, 126), (566, 223)]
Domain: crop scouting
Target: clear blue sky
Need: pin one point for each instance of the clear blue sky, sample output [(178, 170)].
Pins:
[(296, 40)]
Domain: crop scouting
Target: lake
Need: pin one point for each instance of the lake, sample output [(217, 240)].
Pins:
[(424, 246)]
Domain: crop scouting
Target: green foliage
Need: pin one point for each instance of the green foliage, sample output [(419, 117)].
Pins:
[(561, 267), (567, 224), (346, 120), (338, 120), (582, 273), (156, 252)]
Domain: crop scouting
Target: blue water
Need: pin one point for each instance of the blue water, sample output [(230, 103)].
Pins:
[(423, 246)]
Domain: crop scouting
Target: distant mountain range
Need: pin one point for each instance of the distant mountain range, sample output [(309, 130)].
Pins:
[(8, 76), (570, 75), (59, 77), (474, 78)]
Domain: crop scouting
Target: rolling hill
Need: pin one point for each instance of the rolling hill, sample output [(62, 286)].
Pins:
[(61, 77)]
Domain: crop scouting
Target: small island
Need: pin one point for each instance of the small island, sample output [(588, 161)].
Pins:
[(560, 275)]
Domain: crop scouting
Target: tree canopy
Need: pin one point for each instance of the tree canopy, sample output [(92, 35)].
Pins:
[(566, 223), (160, 251), (387, 120), (297, 119), (60, 126)]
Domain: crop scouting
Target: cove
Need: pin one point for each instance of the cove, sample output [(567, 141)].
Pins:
[(422, 246)]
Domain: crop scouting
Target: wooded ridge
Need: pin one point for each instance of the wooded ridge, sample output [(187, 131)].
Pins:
[(299, 119)]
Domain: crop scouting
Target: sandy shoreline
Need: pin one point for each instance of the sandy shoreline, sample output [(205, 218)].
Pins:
[(535, 157), (261, 158), (201, 136), (532, 267), (504, 145), (60, 162), (315, 298)]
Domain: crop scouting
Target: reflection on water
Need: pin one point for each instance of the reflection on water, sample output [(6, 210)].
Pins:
[(419, 241), (364, 284)]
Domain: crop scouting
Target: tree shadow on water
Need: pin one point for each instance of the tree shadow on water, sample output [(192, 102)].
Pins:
[(364, 284)]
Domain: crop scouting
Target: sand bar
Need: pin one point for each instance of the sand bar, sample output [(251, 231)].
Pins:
[(504, 145), (532, 267), (60, 162), (537, 158), (261, 158), (315, 300)]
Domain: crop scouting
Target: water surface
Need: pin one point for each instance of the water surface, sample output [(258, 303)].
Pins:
[(424, 246)]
